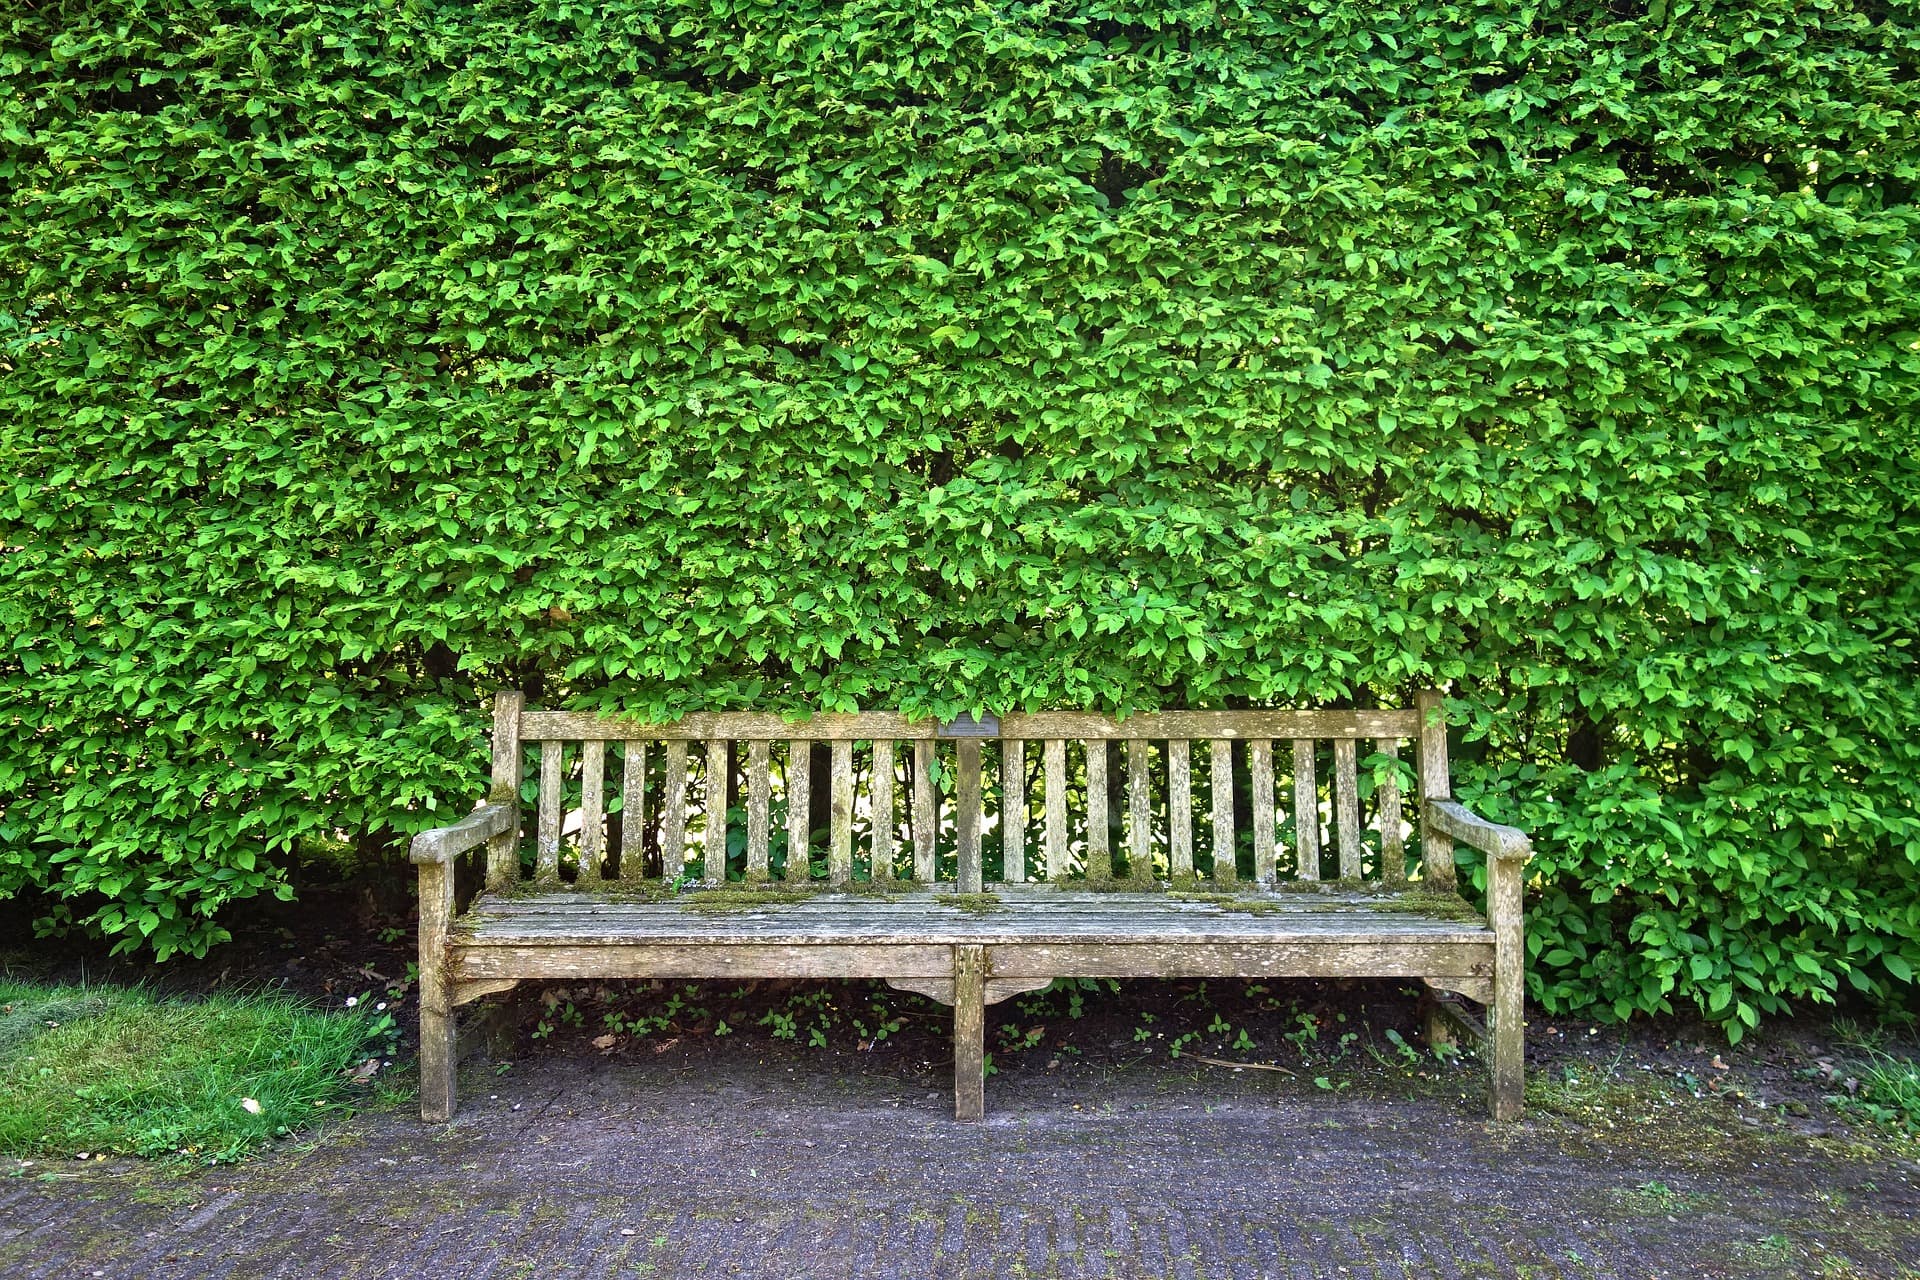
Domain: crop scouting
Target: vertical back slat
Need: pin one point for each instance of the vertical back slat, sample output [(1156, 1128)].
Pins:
[(1306, 811), (1220, 775), (840, 816), (966, 768), (1436, 849), (1393, 844), (503, 850), (881, 792), (718, 767), (759, 809), (1013, 810), (799, 800), (547, 857), (673, 814), (1260, 766), (1179, 809), (1346, 807), (1099, 852), (593, 811), (924, 812), (1056, 769), (1139, 814), (633, 812)]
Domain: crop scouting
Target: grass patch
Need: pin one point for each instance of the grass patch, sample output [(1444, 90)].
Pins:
[(1883, 1087), (113, 1070)]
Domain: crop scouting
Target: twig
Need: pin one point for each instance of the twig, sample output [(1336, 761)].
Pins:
[(1238, 1066)]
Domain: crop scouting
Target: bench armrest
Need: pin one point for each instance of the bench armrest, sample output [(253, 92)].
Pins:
[(1503, 844), (444, 844)]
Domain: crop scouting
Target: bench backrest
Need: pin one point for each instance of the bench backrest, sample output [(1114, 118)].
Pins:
[(1051, 796)]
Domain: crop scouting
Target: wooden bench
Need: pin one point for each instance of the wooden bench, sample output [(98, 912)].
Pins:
[(1109, 882)]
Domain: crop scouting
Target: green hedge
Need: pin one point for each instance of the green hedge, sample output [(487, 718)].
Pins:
[(359, 358)]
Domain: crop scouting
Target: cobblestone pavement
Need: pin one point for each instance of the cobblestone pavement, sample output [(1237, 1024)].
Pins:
[(706, 1163)]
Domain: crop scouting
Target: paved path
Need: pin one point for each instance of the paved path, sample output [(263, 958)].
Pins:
[(707, 1163)]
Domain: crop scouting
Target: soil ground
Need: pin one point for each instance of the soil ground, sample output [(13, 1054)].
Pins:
[(628, 1129)]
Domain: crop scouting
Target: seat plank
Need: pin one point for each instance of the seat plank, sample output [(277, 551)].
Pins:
[(1107, 919)]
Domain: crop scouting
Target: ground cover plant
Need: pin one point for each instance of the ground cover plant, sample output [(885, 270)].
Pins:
[(101, 1070), (356, 359)]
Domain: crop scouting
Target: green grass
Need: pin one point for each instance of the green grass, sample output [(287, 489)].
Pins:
[(116, 1070), (1888, 1089)]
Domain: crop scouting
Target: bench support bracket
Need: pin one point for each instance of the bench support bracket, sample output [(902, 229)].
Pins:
[(468, 992), (941, 989)]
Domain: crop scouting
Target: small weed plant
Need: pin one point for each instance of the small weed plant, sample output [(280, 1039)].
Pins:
[(1878, 1084)]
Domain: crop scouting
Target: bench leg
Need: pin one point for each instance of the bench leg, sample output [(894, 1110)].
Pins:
[(969, 1032), (437, 1057), (437, 1047), (1508, 1086)]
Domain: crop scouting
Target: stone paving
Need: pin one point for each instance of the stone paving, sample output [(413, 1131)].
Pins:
[(706, 1163)]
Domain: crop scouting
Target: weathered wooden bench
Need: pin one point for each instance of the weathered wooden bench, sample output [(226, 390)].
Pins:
[(636, 878)]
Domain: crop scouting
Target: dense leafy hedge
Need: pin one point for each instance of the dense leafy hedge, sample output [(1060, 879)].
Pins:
[(359, 358)]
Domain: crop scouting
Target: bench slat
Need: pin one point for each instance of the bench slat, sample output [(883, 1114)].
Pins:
[(503, 851), (1203, 725), (1220, 775), (1056, 768), (1306, 812), (799, 804), (593, 812), (1013, 810), (880, 860), (1346, 805), (673, 815), (633, 812), (546, 866), (1139, 814), (925, 811), (1099, 869), (967, 804), (1393, 843), (1260, 765), (734, 726), (1113, 918), (840, 816), (1436, 847), (1179, 809), (759, 809), (744, 726), (719, 774)]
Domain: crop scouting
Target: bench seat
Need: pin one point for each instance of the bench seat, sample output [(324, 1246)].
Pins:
[(1305, 924)]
